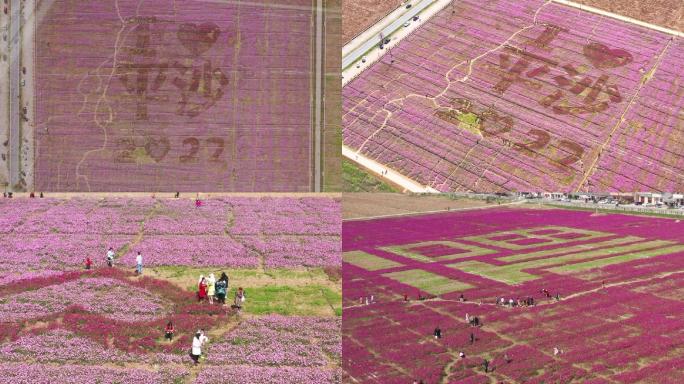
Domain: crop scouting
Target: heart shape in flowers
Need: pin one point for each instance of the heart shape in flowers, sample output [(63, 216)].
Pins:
[(601, 56), (157, 148), (198, 38)]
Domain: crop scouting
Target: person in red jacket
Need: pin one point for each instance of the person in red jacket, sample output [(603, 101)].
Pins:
[(202, 289), (169, 331), (88, 263)]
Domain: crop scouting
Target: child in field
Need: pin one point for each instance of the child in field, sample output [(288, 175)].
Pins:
[(110, 256), (88, 263), (239, 298), (211, 288), (169, 331), (202, 289)]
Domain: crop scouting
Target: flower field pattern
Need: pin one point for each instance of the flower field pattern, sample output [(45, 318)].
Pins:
[(43, 235), (173, 96), (524, 95), (617, 317), (63, 323)]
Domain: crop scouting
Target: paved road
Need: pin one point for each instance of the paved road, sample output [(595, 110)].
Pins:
[(15, 95), (373, 41)]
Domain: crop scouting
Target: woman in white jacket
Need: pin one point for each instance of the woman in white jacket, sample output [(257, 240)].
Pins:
[(196, 348)]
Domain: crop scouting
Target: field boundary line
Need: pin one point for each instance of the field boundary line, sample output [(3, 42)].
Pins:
[(588, 8), (431, 212)]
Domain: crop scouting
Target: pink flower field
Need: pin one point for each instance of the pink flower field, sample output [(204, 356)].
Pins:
[(42, 235), (618, 278), (524, 95), (60, 323)]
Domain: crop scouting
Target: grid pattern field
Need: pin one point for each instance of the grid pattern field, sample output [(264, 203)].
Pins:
[(611, 272), (524, 95)]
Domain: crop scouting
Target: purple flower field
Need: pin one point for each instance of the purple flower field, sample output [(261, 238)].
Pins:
[(43, 235), (618, 278), (524, 95), (170, 95)]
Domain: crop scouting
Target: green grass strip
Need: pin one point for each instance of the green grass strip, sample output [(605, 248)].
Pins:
[(367, 261), (354, 179), (574, 248), (427, 281), (507, 274), (615, 260)]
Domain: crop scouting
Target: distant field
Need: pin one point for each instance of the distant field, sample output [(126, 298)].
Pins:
[(524, 95), (359, 15), (619, 278)]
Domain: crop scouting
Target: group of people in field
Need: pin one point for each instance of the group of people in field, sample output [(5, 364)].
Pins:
[(211, 290), (474, 321), (110, 261)]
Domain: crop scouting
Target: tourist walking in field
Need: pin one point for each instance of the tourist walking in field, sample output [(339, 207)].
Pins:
[(472, 337), (138, 264), (239, 298), (437, 333), (88, 263), (110, 256), (196, 348), (202, 289), (211, 288), (169, 331), (221, 287)]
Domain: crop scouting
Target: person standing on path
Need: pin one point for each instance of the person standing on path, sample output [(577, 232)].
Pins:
[(138, 264), (169, 331), (110, 257), (221, 289), (239, 298), (202, 289), (88, 263), (211, 288), (196, 347)]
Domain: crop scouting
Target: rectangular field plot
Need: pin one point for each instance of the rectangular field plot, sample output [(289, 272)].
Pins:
[(438, 250), (428, 282), (524, 95), (367, 261), (530, 238), (173, 96)]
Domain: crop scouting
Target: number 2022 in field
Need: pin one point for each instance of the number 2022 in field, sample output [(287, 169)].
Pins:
[(130, 150)]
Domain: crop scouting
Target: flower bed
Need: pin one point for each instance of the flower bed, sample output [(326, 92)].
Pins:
[(280, 341)]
